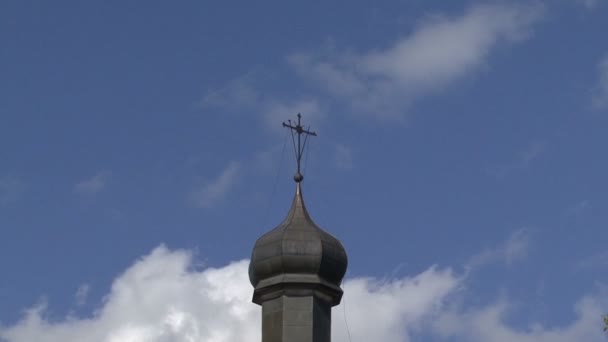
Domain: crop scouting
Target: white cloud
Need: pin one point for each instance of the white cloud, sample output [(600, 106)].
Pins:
[(578, 209), (383, 82), (81, 294), (597, 261), (600, 96), (10, 190), (393, 310), (343, 156), (277, 112), (487, 324), (589, 4), (94, 184), (516, 247), (158, 299), (164, 297), (439, 52), (215, 190), (236, 93), (531, 153), (513, 250), (242, 95)]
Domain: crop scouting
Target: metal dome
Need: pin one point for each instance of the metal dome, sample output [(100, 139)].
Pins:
[(298, 252)]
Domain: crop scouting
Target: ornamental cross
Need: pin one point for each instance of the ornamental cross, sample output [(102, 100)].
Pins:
[(299, 130)]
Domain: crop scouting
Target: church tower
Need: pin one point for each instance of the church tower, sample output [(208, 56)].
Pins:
[(296, 270)]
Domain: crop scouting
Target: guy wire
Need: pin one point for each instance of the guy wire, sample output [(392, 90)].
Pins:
[(305, 158), (345, 320), (276, 180)]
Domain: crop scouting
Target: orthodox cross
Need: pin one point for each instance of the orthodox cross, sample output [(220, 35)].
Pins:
[(299, 130)]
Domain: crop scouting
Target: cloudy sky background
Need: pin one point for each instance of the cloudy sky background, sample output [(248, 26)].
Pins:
[(460, 159)]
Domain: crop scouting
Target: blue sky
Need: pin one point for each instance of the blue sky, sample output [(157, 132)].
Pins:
[(461, 148)]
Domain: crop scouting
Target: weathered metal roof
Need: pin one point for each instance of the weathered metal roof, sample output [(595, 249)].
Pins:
[(296, 250)]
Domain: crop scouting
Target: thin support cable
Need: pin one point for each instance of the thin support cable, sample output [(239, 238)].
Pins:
[(346, 320), (276, 180), (305, 159), (305, 140), (293, 140)]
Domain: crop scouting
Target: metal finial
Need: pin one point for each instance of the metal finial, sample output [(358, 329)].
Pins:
[(299, 149)]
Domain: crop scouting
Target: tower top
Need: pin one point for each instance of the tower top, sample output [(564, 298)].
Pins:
[(297, 256), (297, 128), (296, 269)]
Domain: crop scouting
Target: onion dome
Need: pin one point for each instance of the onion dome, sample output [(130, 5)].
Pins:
[(297, 255)]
